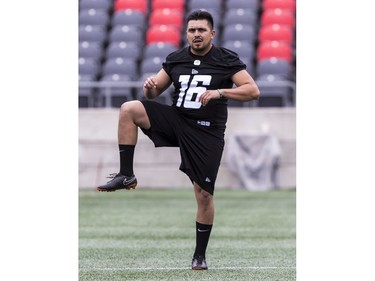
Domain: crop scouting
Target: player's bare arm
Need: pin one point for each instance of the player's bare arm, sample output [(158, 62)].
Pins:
[(246, 89), (155, 85)]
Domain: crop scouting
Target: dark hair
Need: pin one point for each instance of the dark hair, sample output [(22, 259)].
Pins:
[(201, 15)]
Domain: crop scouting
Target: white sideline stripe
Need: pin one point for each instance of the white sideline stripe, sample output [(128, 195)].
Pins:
[(185, 268)]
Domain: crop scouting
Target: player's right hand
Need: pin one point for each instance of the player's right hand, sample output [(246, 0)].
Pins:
[(150, 83)]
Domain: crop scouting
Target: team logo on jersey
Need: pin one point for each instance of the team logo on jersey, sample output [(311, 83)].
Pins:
[(204, 123), (194, 71), (197, 62)]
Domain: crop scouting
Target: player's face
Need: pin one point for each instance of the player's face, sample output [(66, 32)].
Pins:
[(199, 35)]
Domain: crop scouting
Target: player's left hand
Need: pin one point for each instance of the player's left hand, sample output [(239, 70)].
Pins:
[(209, 95)]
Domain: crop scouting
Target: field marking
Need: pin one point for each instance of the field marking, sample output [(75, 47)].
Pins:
[(185, 268)]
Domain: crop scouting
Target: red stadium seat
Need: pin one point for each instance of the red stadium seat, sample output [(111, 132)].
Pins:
[(279, 4), (168, 4), (163, 33), (278, 16), (140, 5), (274, 49), (167, 17), (275, 32)]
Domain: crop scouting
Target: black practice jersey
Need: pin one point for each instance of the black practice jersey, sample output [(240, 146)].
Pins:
[(192, 75)]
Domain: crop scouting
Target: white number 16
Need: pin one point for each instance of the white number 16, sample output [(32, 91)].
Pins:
[(189, 90)]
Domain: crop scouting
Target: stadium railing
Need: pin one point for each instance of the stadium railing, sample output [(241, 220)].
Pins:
[(137, 86)]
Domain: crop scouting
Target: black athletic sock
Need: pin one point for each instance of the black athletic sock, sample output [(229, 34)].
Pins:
[(126, 159), (203, 232)]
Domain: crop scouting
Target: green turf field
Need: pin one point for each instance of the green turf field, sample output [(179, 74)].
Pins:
[(150, 235)]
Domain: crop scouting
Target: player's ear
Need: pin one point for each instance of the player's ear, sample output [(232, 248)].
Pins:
[(213, 32)]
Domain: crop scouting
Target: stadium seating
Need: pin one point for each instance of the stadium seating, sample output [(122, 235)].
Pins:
[(129, 17), (115, 96), (243, 4), (159, 49), (96, 4), (121, 66), (274, 66), (276, 32), (163, 33), (86, 94), (279, 4), (275, 49), (94, 17), (166, 17), (123, 49), (168, 4), (274, 93), (151, 65), (128, 33), (239, 32), (89, 49), (242, 16), (208, 5), (139, 5), (92, 33), (278, 16), (244, 49), (146, 31), (88, 66)]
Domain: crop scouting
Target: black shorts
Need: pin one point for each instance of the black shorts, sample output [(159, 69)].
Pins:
[(201, 146)]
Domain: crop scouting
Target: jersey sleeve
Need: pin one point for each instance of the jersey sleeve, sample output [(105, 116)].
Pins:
[(173, 59), (231, 60)]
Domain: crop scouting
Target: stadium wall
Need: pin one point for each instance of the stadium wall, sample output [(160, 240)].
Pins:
[(158, 167)]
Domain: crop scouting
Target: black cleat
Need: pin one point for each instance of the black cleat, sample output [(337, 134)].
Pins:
[(199, 263), (118, 181)]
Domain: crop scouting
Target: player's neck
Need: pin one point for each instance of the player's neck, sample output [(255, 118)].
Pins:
[(202, 52)]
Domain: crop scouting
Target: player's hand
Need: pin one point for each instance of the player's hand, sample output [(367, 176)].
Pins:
[(150, 83), (209, 95)]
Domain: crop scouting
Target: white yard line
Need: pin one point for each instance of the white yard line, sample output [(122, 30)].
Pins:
[(185, 268)]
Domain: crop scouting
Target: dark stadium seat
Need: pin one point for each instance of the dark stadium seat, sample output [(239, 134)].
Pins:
[(244, 49), (92, 33), (205, 5), (273, 93), (121, 66), (129, 17), (278, 16), (86, 94), (239, 32), (123, 49), (279, 4), (243, 4), (96, 4), (94, 17), (166, 17), (159, 49), (275, 32), (115, 96), (243, 16), (275, 49), (88, 66), (89, 49), (274, 66), (139, 5), (151, 65), (162, 4), (163, 33), (128, 33)]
